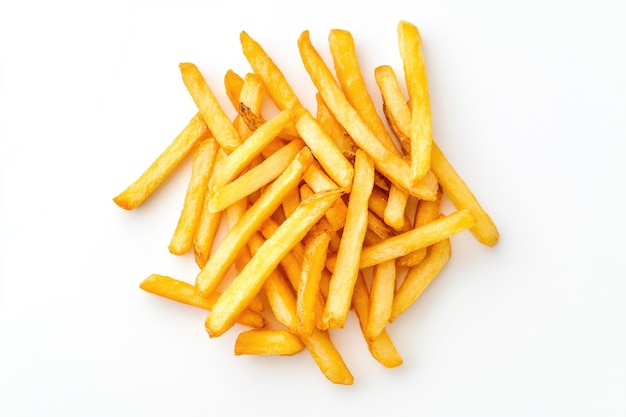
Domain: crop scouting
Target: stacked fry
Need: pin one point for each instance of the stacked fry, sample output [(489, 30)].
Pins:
[(326, 213)]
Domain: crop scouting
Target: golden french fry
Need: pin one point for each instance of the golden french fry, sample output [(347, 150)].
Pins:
[(240, 157), (233, 83), (170, 158), (255, 178), (389, 163), (381, 298), (420, 276), (315, 251), (347, 266), (218, 264), (395, 210), (212, 113), (393, 98), (454, 187), (203, 161), (421, 135), (250, 280), (414, 239), (183, 292), (324, 149), (331, 126), (268, 342)]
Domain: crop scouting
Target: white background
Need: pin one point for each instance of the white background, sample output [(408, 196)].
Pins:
[(528, 102)]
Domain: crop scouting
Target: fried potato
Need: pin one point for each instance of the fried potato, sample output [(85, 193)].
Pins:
[(268, 342)]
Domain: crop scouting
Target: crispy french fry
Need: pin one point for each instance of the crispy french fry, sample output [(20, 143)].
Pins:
[(248, 283), (255, 178), (308, 291), (395, 209), (268, 342), (420, 276), (389, 163), (331, 126), (393, 98), (233, 83), (183, 292), (414, 239), (217, 266), (454, 187), (382, 291), (212, 113), (240, 157), (324, 149), (346, 270), (170, 158), (421, 136), (203, 161)]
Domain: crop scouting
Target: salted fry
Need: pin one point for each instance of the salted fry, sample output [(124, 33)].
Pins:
[(420, 135), (420, 276), (248, 283), (389, 163), (421, 237), (183, 292), (347, 266), (324, 149), (170, 158), (212, 113), (268, 342), (255, 178), (203, 161), (240, 157)]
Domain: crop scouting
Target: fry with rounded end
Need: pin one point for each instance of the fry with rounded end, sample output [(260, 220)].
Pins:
[(268, 342), (420, 276), (421, 135), (347, 266), (203, 161), (218, 264), (250, 280), (183, 292), (170, 158), (212, 113)]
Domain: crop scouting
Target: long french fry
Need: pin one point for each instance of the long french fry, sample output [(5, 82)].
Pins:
[(250, 280), (170, 158), (346, 270), (218, 264)]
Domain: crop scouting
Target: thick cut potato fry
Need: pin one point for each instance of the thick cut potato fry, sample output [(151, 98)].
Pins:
[(420, 135), (240, 157), (218, 264), (381, 298), (389, 163), (220, 125), (183, 292), (248, 283), (275, 82), (324, 149), (421, 237), (203, 161), (255, 178), (268, 342), (170, 158), (420, 276), (315, 251), (347, 267)]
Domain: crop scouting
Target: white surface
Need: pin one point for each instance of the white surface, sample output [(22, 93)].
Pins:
[(528, 104)]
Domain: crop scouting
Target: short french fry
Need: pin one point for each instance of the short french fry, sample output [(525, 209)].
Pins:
[(255, 178), (315, 251), (324, 149), (203, 161), (420, 276), (421, 136), (268, 342), (218, 264), (233, 83), (240, 157), (250, 280), (220, 125), (389, 163), (395, 209), (414, 239), (183, 292), (331, 126), (347, 267), (170, 158)]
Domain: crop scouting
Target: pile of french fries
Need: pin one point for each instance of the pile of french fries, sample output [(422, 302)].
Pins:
[(326, 213)]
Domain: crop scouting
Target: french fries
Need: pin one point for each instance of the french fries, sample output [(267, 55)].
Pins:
[(311, 206)]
